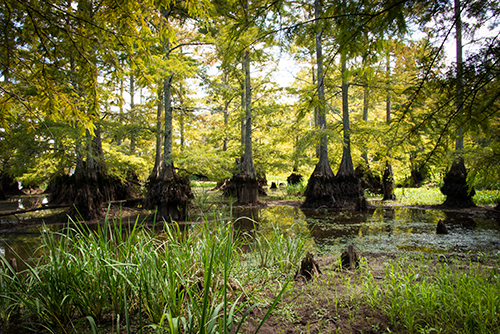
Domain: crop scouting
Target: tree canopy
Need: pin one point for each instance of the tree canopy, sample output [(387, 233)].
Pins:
[(74, 70)]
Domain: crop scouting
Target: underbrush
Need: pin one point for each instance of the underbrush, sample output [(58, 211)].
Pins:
[(412, 294), (123, 279), (433, 196)]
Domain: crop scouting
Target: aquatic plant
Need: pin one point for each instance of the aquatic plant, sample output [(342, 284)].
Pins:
[(446, 300), (182, 280)]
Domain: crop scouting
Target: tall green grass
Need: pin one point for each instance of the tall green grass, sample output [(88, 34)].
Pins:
[(438, 298), (180, 281), (433, 196)]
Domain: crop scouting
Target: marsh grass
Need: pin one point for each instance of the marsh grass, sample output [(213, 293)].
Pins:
[(296, 189), (419, 196), (278, 250), (433, 196), (126, 277), (447, 297)]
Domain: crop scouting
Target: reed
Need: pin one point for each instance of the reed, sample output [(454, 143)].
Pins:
[(445, 299), (178, 281)]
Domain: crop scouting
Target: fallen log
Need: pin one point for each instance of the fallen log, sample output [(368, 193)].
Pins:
[(44, 207)]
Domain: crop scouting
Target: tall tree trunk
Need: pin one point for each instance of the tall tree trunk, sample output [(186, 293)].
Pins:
[(366, 105), (167, 166), (455, 185), (132, 111), (321, 185), (388, 176), (245, 183), (226, 125), (169, 193), (349, 192), (316, 110), (346, 168), (182, 112), (243, 112), (158, 157)]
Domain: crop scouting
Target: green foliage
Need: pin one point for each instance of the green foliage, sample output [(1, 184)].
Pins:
[(446, 299), (419, 196), (180, 280)]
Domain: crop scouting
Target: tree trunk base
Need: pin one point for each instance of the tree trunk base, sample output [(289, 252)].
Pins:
[(294, 178), (261, 182), (388, 183), (245, 189), (87, 201), (367, 179), (320, 191), (350, 195), (455, 187), (169, 196), (86, 196)]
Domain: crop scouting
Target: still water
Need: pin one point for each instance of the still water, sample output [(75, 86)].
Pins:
[(385, 229), (381, 229)]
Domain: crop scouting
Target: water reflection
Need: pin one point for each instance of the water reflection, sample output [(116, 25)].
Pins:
[(25, 202), (378, 230), (386, 229)]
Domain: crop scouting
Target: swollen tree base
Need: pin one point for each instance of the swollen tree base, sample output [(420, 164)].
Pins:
[(320, 190), (350, 195), (368, 179), (86, 196), (294, 178), (169, 196), (388, 183), (455, 187), (242, 187)]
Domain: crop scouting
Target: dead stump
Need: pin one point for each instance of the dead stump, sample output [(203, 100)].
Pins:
[(455, 187), (441, 228), (349, 258), (294, 178), (309, 268)]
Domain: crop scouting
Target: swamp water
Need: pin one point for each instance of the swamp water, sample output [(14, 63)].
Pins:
[(381, 229)]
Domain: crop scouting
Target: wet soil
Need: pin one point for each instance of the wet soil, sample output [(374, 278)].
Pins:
[(334, 302)]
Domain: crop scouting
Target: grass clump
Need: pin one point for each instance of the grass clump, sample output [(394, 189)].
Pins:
[(129, 277), (419, 196), (447, 298), (487, 197)]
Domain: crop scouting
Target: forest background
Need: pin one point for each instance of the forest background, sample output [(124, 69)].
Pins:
[(113, 88)]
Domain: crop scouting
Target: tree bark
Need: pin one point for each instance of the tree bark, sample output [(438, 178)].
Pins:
[(132, 110), (388, 176), (346, 168), (321, 185), (158, 157), (455, 182), (170, 193)]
